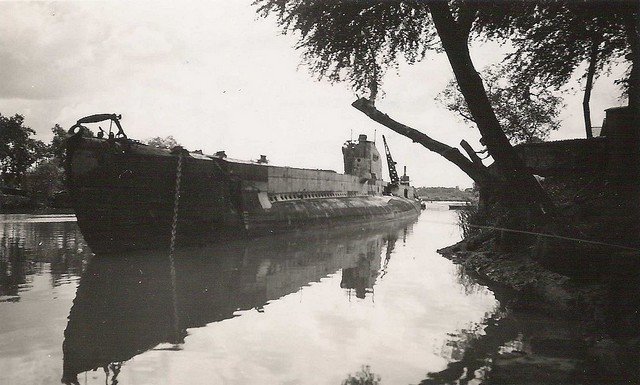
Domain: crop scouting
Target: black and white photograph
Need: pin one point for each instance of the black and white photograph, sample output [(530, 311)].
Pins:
[(320, 192)]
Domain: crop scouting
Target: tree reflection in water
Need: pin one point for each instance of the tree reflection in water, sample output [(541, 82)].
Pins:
[(363, 377), (26, 248), (473, 350)]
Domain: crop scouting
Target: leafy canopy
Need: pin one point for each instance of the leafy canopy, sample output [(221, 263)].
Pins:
[(358, 41), (44, 180), (18, 150), (525, 114), (552, 39), (354, 41), (167, 142)]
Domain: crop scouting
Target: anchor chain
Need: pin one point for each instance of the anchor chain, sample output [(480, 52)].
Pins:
[(172, 246), (176, 203)]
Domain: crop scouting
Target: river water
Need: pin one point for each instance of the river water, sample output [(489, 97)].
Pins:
[(304, 309)]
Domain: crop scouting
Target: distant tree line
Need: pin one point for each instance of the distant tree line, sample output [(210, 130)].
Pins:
[(446, 194), (27, 163)]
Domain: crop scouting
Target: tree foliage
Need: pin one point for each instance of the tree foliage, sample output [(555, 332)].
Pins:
[(44, 180), (30, 164), (57, 147), (363, 377), (553, 39), (18, 150), (354, 41), (358, 41), (168, 142), (525, 114)]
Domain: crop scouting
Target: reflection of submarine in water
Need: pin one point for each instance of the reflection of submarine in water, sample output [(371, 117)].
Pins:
[(125, 306), (361, 276)]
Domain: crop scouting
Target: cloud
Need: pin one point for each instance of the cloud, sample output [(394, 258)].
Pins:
[(61, 50)]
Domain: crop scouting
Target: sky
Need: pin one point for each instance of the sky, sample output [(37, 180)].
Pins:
[(216, 77)]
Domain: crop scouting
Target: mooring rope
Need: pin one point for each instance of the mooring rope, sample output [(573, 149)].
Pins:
[(172, 246), (542, 235), (556, 236)]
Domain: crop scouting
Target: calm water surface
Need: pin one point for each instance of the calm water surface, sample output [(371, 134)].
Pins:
[(305, 309)]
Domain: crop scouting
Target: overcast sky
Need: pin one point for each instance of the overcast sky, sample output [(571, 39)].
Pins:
[(216, 77)]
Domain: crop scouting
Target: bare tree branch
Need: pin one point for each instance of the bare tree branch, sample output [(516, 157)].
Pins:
[(468, 117), (470, 151), (477, 172)]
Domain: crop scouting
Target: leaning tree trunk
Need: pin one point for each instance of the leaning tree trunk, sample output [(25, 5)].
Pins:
[(591, 72), (632, 31), (524, 187)]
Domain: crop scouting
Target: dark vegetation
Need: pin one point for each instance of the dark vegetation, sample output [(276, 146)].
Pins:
[(31, 170), (526, 115), (446, 194), (362, 377)]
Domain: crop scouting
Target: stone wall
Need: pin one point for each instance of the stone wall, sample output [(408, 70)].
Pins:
[(615, 153), (564, 156)]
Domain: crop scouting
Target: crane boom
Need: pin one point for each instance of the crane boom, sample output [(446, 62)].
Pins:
[(393, 174)]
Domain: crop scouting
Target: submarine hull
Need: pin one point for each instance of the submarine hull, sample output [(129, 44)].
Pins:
[(130, 196)]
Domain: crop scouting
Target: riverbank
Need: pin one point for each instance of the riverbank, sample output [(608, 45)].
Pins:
[(446, 194), (41, 210), (571, 328), (17, 201)]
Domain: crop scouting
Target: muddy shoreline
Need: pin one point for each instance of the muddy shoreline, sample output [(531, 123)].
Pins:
[(565, 329), (37, 210)]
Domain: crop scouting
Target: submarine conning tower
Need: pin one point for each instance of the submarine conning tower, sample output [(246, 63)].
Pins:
[(362, 159)]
